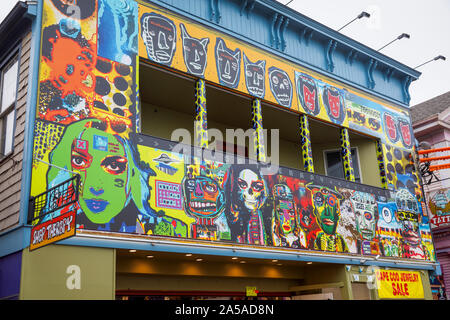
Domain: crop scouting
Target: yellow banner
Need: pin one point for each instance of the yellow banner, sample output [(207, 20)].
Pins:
[(399, 284)]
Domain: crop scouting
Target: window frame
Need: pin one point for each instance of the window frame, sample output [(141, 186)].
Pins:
[(325, 161), (7, 60)]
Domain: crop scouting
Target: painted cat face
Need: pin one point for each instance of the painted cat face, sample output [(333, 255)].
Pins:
[(194, 52), (334, 104), (255, 76), (281, 86), (307, 92), (390, 126), (405, 132), (228, 64), (160, 36)]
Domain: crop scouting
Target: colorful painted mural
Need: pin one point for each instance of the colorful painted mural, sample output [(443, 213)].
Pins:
[(88, 124), (439, 205)]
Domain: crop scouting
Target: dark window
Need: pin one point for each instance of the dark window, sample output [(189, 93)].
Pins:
[(334, 167), (8, 84)]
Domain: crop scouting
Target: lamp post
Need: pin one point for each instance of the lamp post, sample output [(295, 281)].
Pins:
[(361, 15), (439, 57), (403, 35)]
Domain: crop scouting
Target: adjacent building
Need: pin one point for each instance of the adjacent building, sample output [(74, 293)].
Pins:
[(431, 128), (165, 149)]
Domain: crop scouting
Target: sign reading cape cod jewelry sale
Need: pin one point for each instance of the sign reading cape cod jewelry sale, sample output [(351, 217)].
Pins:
[(399, 284), (53, 230)]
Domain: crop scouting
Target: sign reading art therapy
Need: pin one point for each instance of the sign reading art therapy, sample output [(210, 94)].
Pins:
[(56, 229)]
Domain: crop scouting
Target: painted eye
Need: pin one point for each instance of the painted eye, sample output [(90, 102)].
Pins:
[(79, 162), (275, 80), (248, 73), (368, 215), (286, 83), (114, 164), (210, 187), (331, 201), (170, 37), (242, 184), (152, 33), (318, 199), (257, 186)]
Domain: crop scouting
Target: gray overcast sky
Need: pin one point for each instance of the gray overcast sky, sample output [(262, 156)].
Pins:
[(428, 23)]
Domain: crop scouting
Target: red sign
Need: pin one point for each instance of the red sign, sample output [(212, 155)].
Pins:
[(58, 228)]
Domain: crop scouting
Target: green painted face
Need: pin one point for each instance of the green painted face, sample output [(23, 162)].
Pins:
[(326, 209), (100, 159)]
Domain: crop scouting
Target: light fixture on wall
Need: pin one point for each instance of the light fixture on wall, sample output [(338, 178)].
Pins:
[(439, 57), (403, 35), (361, 15)]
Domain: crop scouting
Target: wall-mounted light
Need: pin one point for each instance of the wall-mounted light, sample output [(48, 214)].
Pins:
[(361, 15), (403, 35), (439, 57), (132, 250)]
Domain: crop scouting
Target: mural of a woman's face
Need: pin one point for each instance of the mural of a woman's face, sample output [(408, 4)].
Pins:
[(101, 161), (250, 189)]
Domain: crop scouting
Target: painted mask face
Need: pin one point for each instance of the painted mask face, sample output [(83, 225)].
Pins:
[(255, 76), (410, 227), (251, 189), (228, 64), (326, 208), (281, 86), (334, 104), (390, 126), (160, 36), (101, 160), (71, 66), (365, 206), (204, 197), (405, 132), (194, 52), (307, 92), (284, 207)]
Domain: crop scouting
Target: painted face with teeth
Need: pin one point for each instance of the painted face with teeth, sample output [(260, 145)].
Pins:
[(160, 36), (204, 197), (365, 213), (281, 86), (255, 74), (251, 189)]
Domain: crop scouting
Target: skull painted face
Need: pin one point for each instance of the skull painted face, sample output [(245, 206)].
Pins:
[(408, 215), (204, 197), (281, 86), (251, 189), (101, 160), (326, 207), (284, 207), (160, 36), (255, 76), (365, 212)]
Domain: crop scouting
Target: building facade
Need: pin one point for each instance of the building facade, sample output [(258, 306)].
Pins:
[(431, 125), (133, 186)]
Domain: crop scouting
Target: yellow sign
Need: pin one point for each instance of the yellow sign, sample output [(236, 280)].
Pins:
[(399, 284), (251, 292)]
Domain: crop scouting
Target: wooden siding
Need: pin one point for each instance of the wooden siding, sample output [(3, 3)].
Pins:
[(11, 166)]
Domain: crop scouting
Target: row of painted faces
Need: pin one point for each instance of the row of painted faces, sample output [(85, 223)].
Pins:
[(159, 35), (226, 202)]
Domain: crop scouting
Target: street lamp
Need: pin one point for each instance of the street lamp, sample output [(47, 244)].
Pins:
[(439, 57), (361, 15), (403, 35)]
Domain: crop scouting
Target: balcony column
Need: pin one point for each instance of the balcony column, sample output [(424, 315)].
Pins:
[(381, 164), (346, 156), (258, 133), (307, 158), (201, 122)]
